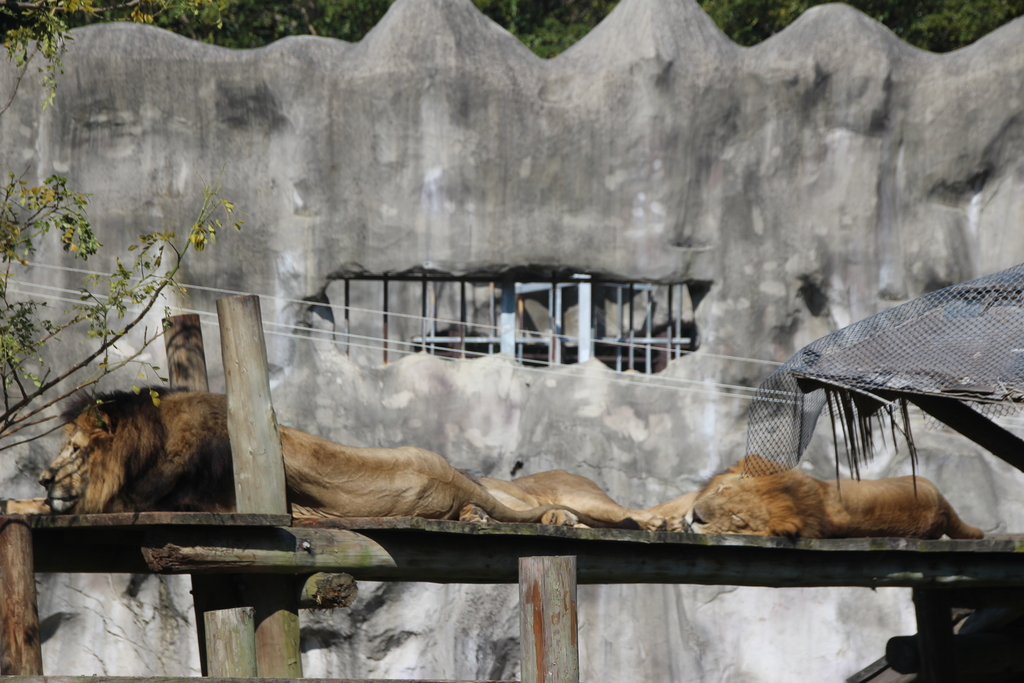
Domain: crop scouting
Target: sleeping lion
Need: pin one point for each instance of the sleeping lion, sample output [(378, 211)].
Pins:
[(123, 453), (788, 502)]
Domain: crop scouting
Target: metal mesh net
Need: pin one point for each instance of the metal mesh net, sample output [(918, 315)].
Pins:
[(964, 342)]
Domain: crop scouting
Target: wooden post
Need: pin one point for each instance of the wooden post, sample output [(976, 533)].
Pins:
[(547, 620), (252, 426), (259, 476), (186, 370), (935, 635), (186, 358), (231, 643), (20, 648)]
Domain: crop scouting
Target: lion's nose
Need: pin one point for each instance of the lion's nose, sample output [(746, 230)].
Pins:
[(46, 479), (695, 518)]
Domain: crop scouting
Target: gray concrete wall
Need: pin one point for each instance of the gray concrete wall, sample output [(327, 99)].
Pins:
[(828, 173)]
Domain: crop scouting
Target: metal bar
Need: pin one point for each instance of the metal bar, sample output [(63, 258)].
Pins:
[(558, 324), (551, 320), (508, 318), (348, 341), (423, 310), (462, 319), (650, 316), (618, 347), (669, 328), (432, 291), (385, 331), (631, 326), (490, 347), (586, 333)]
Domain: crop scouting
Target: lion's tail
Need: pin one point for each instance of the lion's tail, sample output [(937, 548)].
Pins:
[(957, 528)]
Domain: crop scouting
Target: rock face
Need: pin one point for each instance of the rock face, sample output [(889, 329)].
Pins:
[(800, 185)]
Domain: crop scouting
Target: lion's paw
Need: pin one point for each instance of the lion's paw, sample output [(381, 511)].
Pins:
[(654, 523), (471, 512), (677, 523), (559, 518)]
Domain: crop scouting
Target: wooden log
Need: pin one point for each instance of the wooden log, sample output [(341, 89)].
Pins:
[(547, 620), (272, 551), (231, 642), (252, 426), (20, 646), (973, 653), (258, 464), (327, 591), (935, 635), (186, 357)]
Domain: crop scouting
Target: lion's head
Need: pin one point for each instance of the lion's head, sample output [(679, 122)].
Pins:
[(117, 455), (781, 503)]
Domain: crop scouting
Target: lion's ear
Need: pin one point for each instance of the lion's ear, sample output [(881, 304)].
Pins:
[(95, 420)]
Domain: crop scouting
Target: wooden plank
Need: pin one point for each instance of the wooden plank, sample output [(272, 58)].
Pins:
[(146, 519), (1002, 543), (934, 636), (20, 646), (547, 620), (251, 550), (258, 464), (231, 642)]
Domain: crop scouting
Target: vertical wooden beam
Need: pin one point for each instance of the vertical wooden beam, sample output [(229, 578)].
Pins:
[(231, 642), (935, 635), (186, 357), (252, 426), (547, 620), (259, 475), (186, 368), (20, 648)]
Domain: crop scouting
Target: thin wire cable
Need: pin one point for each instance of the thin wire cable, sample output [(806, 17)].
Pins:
[(417, 318), (338, 338)]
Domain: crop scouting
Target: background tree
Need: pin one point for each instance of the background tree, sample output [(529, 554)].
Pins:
[(110, 306), (549, 27)]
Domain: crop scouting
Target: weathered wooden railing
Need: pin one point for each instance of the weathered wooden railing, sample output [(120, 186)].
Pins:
[(270, 549)]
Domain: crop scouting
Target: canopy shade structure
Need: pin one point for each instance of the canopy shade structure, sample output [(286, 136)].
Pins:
[(957, 353)]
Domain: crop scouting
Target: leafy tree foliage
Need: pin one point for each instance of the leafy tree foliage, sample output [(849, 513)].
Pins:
[(111, 306), (935, 25), (549, 27)]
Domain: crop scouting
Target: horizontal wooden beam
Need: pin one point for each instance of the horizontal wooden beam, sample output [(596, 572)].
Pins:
[(182, 679)]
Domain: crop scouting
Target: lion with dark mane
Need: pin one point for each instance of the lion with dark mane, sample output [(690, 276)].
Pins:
[(789, 502), (124, 453)]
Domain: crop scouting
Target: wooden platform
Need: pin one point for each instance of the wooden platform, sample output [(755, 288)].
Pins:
[(412, 549)]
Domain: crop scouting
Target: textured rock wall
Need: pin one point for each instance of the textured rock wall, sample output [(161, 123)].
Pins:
[(812, 180)]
